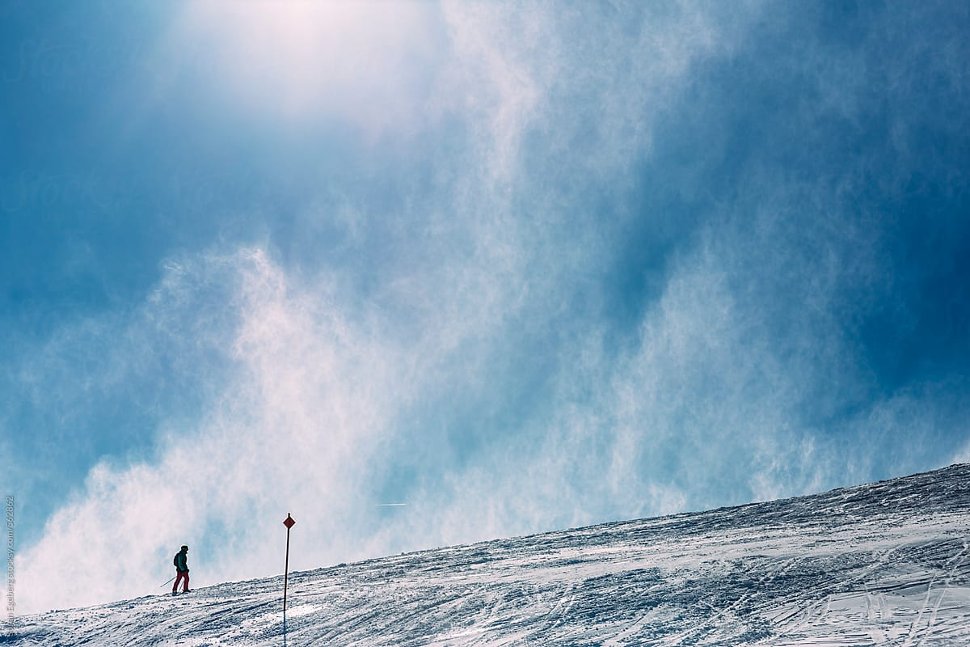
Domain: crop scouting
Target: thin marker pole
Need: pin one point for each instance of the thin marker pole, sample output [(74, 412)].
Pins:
[(289, 523)]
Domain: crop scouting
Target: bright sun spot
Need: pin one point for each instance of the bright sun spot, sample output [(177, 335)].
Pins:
[(360, 61)]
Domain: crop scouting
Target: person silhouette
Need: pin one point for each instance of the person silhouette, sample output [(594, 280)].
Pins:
[(181, 562)]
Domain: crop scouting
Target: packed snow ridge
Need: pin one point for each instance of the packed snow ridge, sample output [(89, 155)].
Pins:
[(880, 564)]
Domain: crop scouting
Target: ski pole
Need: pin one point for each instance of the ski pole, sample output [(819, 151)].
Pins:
[(170, 579)]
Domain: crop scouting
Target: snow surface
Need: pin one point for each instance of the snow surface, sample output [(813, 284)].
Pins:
[(882, 564)]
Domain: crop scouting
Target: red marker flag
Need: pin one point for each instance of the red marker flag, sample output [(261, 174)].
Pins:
[(289, 521)]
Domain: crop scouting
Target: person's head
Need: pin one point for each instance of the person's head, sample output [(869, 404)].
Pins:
[(185, 549)]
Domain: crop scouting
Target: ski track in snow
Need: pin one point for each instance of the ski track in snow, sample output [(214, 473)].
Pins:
[(882, 564)]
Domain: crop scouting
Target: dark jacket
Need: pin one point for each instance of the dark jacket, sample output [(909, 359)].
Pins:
[(181, 562)]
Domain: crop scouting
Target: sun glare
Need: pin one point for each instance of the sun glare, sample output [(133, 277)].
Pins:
[(310, 59)]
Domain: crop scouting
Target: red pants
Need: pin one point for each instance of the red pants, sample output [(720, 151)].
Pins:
[(181, 575)]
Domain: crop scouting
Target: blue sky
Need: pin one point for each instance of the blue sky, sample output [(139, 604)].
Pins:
[(519, 267)]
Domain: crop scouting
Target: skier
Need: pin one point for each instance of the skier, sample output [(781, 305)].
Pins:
[(181, 570)]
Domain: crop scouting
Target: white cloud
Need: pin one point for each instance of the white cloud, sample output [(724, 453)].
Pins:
[(307, 415), (293, 431), (327, 391)]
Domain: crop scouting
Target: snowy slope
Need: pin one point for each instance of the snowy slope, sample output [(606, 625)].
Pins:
[(883, 564)]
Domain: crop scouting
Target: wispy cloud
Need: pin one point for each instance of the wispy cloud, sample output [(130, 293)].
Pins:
[(456, 344), (294, 429)]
